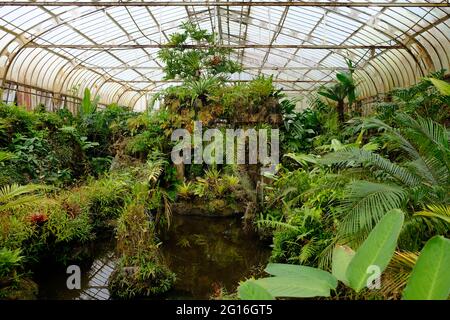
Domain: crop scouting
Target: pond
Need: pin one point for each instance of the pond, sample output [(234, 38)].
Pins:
[(208, 255)]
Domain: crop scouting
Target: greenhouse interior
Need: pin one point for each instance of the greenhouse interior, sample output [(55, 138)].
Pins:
[(225, 150)]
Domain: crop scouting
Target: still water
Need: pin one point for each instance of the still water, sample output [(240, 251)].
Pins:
[(208, 255)]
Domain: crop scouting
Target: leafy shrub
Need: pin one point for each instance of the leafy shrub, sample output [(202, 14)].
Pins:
[(9, 261)]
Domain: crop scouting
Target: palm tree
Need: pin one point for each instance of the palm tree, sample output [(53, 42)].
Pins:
[(343, 89), (422, 177)]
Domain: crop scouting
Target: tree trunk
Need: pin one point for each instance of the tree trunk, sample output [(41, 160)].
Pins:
[(340, 110)]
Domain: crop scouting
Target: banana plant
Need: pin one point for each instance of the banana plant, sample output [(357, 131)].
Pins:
[(430, 278), (88, 106)]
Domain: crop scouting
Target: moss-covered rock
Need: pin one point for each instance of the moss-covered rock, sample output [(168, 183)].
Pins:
[(150, 278), (200, 207), (141, 271), (19, 288)]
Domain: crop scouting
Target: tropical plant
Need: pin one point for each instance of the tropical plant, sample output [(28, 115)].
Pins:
[(185, 190), (299, 128), (428, 98), (419, 176), (344, 89), (356, 269), (5, 156), (436, 211), (88, 106), (9, 261), (185, 62), (13, 197), (430, 277), (199, 90)]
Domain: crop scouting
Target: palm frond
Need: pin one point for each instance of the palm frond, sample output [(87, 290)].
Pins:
[(397, 273), (352, 156), (15, 196), (366, 203), (436, 211)]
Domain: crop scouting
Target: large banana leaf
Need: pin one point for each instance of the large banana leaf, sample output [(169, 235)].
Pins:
[(342, 255), (305, 287), (301, 272), (251, 290), (430, 278), (377, 249)]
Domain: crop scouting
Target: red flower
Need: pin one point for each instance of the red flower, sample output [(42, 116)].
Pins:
[(38, 218)]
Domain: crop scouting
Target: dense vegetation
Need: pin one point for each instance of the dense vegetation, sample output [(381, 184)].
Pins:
[(345, 182)]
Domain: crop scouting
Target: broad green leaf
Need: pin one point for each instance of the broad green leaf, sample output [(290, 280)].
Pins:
[(303, 287), (251, 290), (377, 249), (342, 255), (301, 272), (430, 278), (441, 85)]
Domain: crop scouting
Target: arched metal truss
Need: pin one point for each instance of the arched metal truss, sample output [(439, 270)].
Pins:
[(55, 49)]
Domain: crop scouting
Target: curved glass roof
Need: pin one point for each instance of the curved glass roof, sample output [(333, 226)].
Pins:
[(61, 47)]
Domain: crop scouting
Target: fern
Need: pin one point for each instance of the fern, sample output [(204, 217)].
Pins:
[(13, 197), (276, 224), (5, 156), (309, 250)]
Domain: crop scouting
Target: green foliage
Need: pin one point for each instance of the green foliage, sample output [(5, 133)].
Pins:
[(430, 278), (295, 281), (63, 228), (251, 290), (299, 128), (302, 281), (298, 206), (419, 176), (442, 86), (88, 106), (377, 249), (186, 63), (9, 261), (436, 211), (140, 271), (344, 89), (428, 98), (14, 197), (342, 256)]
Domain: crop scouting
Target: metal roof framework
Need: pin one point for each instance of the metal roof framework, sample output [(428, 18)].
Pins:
[(110, 47)]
